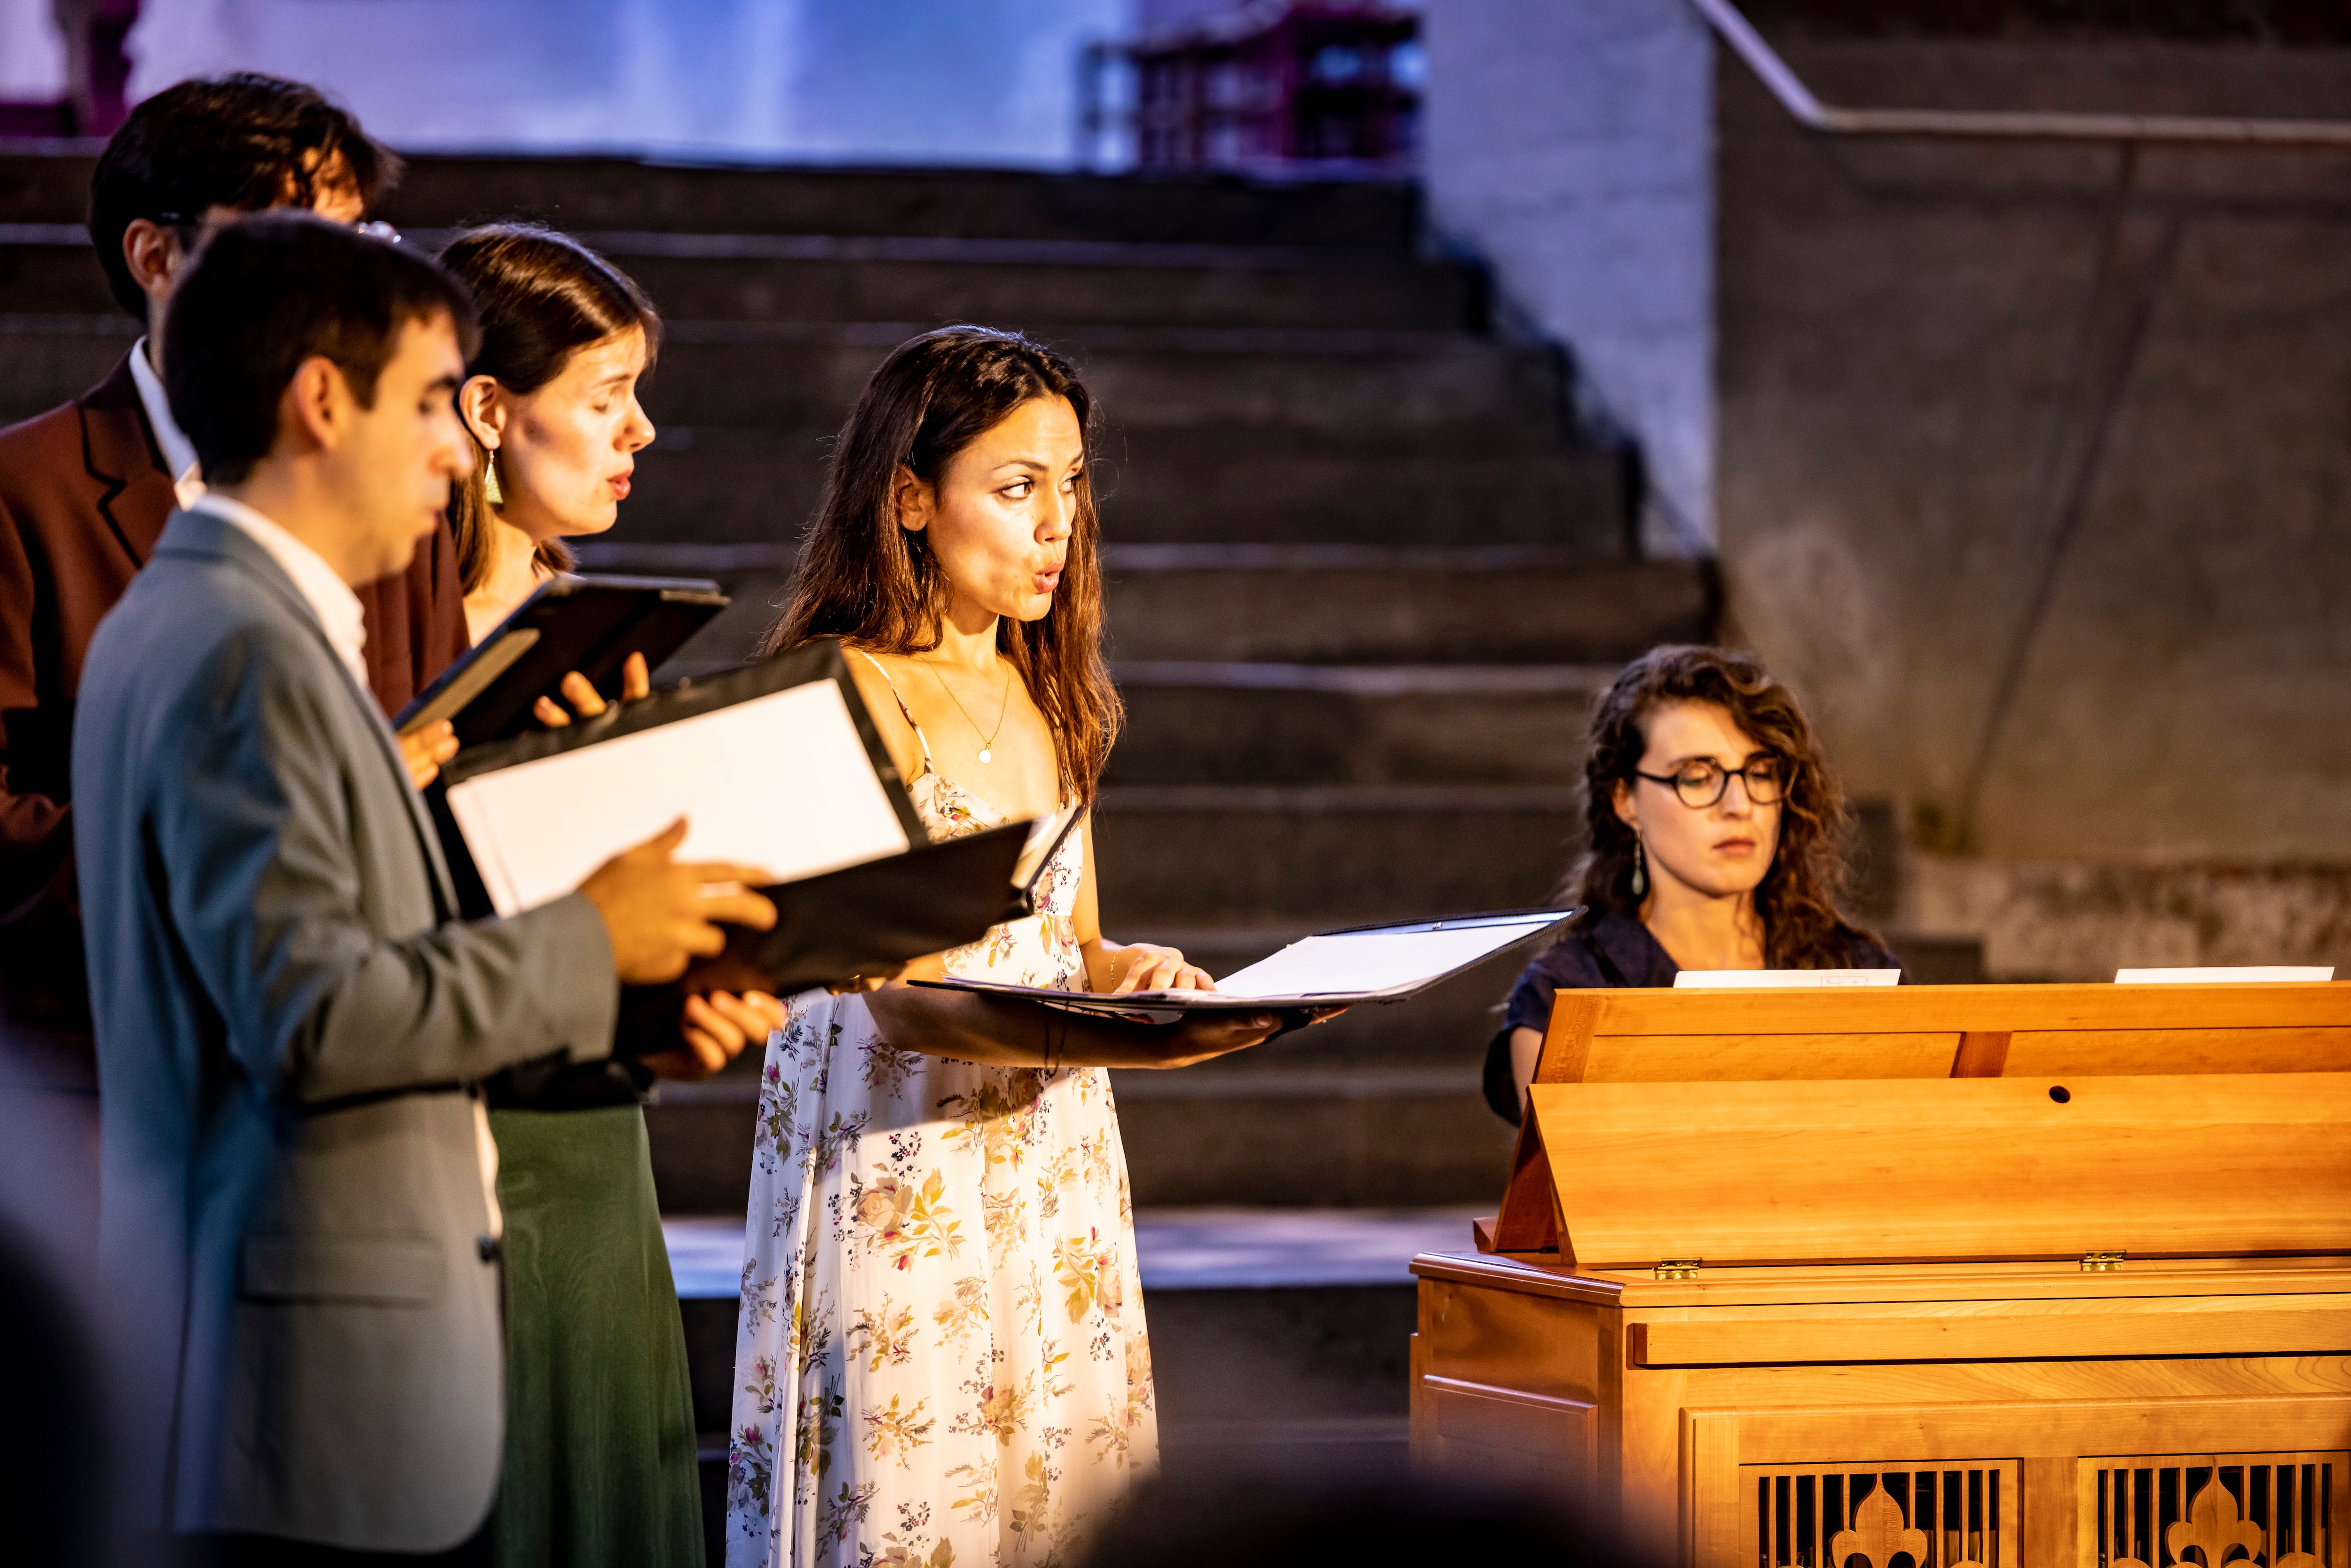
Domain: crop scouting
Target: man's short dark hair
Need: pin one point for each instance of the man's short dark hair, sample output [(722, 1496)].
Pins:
[(242, 142), (268, 293)]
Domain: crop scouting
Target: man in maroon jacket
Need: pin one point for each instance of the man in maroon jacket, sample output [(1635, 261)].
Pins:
[(84, 490)]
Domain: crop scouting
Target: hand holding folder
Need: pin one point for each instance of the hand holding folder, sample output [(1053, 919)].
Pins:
[(588, 627), (660, 912), (776, 767)]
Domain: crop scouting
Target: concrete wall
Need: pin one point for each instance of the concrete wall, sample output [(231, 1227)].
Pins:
[(1569, 144), (2034, 478), (1935, 398), (923, 82)]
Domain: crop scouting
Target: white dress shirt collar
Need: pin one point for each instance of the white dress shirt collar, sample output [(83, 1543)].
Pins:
[(330, 598), (179, 452)]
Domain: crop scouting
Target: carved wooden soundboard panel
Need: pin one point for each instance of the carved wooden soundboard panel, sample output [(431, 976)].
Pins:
[(2141, 1511), (2269, 1510), (1959, 1515)]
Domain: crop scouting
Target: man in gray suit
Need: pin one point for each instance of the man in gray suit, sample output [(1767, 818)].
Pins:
[(299, 1211)]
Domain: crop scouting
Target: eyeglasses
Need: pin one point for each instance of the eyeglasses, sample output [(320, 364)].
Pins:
[(1701, 784)]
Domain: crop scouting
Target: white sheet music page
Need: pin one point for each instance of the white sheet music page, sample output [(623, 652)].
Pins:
[(2231, 974), (781, 782), (1366, 963)]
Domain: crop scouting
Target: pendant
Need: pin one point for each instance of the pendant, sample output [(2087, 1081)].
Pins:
[(985, 755)]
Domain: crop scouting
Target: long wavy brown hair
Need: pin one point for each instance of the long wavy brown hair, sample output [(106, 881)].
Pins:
[(543, 297), (1797, 898), (863, 578)]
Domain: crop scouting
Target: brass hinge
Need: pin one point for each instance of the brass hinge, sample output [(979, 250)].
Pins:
[(1679, 1268), (2101, 1262)]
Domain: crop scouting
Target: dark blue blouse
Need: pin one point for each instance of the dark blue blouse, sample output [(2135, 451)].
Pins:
[(1612, 950)]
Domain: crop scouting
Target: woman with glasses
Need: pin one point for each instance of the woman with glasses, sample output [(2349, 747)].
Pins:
[(1711, 843)]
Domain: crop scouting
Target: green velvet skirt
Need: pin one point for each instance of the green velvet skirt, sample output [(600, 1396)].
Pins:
[(600, 1451)]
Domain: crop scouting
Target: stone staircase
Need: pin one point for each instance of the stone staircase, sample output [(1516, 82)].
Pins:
[(1364, 579), (1365, 575)]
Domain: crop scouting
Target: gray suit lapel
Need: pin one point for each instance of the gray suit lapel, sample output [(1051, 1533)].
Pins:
[(204, 534)]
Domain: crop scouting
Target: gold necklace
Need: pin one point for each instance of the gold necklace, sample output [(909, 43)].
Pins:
[(988, 741)]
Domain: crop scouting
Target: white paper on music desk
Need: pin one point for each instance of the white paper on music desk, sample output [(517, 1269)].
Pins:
[(1781, 979), (781, 782), (2236, 974), (1366, 963)]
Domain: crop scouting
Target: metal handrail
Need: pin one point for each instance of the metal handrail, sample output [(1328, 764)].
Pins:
[(2062, 496), (2003, 125)]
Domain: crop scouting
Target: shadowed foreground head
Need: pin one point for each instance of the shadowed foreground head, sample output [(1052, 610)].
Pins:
[(1272, 1517)]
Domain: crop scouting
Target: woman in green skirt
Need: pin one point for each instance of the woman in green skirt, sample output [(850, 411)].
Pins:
[(600, 1468)]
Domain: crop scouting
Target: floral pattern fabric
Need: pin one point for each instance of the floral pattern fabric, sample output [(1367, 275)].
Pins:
[(941, 1357)]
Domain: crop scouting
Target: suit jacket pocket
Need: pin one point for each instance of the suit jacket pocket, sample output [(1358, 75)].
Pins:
[(388, 1270)]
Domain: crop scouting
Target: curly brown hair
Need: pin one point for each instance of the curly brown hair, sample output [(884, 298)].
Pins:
[(1797, 898), (863, 578)]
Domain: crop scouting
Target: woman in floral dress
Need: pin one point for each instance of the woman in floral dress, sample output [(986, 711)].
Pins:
[(942, 1356)]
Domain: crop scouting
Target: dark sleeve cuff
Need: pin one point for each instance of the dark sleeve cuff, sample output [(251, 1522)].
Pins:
[(1531, 1002), (578, 994)]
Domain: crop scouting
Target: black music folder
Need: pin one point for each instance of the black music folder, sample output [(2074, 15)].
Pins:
[(776, 764), (591, 624), (1329, 969), (869, 919)]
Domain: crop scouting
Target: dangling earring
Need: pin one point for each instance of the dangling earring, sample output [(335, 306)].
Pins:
[(1640, 869), (491, 491)]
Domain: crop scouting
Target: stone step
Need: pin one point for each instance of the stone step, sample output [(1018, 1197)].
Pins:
[(727, 483), (1271, 1330), (1369, 1138), (730, 483), (45, 185), (1274, 485), (1035, 285), (1374, 605), (1377, 1136), (630, 193), (45, 360), (49, 269), (1277, 483), (1304, 604), (1382, 1105), (1313, 858), (1027, 285), (1196, 722), (1177, 1248), (795, 375), (967, 204)]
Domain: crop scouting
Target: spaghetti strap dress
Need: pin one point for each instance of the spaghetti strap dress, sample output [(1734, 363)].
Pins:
[(941, 1357)]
